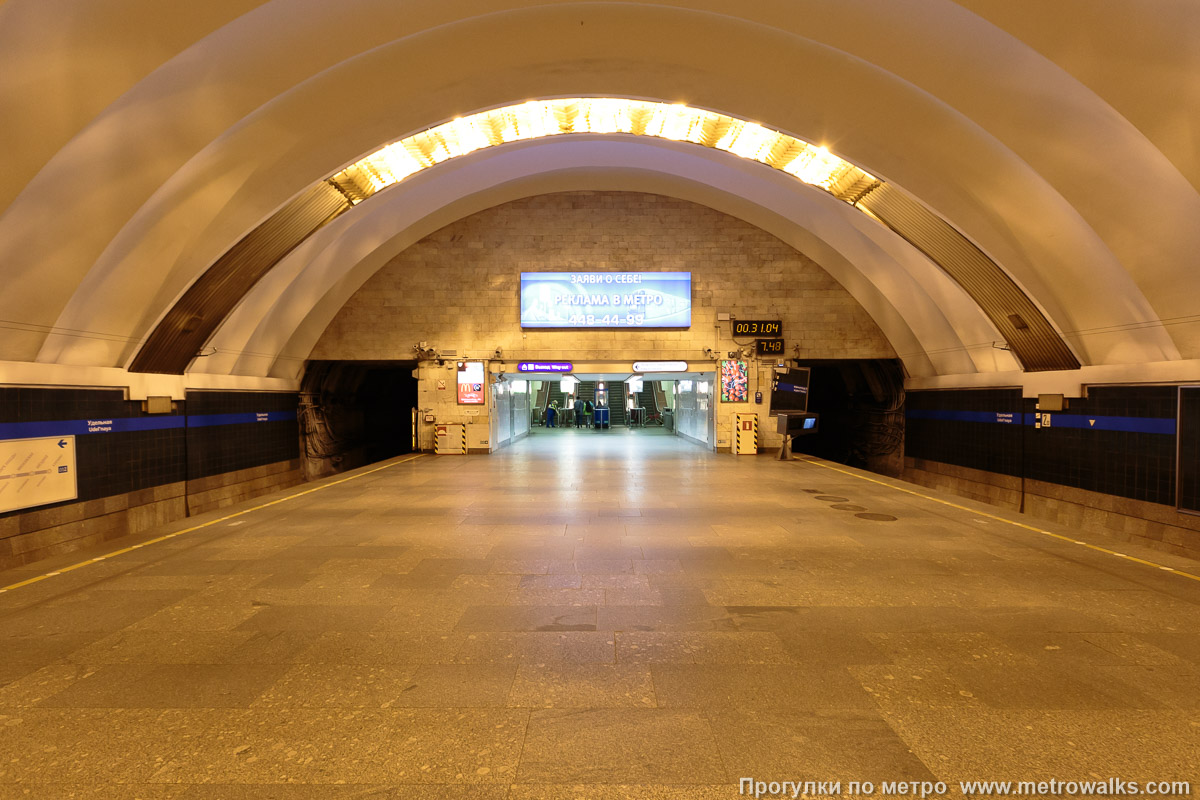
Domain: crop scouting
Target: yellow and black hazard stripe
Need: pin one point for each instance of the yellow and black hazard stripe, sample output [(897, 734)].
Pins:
[(737, 421), (437, 441)]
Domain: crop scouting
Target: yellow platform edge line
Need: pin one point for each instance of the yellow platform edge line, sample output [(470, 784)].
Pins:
[(208, 524), (979, 513)]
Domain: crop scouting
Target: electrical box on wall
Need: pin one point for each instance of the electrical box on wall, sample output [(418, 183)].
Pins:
[(450, 440), (1051, 402), (158, 405)]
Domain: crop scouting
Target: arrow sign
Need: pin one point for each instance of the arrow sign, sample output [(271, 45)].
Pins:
[(1091, 422), (62, 443)]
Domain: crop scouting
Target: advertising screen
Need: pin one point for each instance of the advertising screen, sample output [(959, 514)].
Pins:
[(735, 382), (606, 299), (791, 390), (470, 383)]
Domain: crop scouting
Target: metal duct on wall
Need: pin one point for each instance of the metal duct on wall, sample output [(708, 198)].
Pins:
[(178, 337), (1032, 338)]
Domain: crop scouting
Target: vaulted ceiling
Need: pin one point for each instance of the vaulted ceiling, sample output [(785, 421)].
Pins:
[(145, 142)]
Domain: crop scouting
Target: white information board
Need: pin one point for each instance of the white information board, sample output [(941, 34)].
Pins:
[(35, 472)]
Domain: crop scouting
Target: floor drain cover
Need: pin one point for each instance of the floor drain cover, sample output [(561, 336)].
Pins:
[(830, 498), (876, 517), (848, 507)]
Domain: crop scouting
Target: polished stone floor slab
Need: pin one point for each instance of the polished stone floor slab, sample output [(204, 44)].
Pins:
[(620, 746), (597, 616)]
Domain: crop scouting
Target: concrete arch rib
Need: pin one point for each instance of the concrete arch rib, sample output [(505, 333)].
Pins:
[(916, 305), (968, 174)]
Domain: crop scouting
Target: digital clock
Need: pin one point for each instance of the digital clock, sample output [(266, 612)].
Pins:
[(757, 327), (768, 347)]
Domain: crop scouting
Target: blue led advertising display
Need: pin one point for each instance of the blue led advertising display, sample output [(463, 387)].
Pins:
[(606, 299)]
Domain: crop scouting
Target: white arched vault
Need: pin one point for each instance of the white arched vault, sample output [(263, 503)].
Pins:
[(1042, 153), (918, 307)]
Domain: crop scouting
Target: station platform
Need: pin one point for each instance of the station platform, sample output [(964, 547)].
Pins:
[(595, 617)]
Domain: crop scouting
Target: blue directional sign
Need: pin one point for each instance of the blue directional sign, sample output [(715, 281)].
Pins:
[(545, 366)]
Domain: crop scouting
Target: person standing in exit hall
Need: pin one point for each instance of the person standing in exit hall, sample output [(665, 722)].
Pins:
[(551, 413), (579, 407)]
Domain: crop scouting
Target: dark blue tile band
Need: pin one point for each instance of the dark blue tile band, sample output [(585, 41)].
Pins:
[(83, 427), (1057, 420)]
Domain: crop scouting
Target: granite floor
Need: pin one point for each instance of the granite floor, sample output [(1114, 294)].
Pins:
[(594, 615)]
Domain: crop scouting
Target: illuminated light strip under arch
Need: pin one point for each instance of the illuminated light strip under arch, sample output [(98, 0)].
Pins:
[(536, 119), (180, 335), (1025, 328)]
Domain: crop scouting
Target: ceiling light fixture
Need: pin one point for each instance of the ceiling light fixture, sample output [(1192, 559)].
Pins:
[(536, 119)]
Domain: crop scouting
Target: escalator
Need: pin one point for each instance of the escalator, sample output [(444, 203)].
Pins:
[(556, 397), (648, 402), (616, 405)]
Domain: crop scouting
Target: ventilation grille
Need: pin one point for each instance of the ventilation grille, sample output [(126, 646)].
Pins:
[(1030, 335), (191, 321)]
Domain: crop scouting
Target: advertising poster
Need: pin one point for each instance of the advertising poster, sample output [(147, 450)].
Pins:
[(606, 299), (470, 384), (735, 382)]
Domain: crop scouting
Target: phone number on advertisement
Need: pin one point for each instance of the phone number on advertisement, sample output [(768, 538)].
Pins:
[(607, 319)]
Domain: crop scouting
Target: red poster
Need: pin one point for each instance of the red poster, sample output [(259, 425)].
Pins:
[(471, 383)]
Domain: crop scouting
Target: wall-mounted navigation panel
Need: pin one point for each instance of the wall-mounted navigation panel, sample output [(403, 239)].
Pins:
[(660, 366), (36, 472), (545, 366), (606, 299)]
